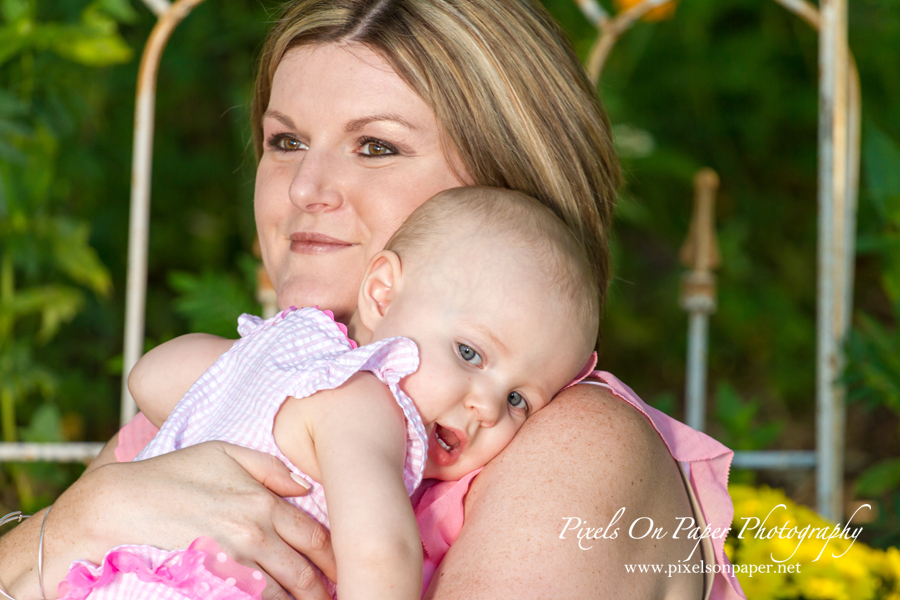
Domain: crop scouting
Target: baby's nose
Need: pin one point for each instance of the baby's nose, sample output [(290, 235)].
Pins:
[(486, 408)]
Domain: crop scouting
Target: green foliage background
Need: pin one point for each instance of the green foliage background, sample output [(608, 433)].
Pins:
[(729, 84)]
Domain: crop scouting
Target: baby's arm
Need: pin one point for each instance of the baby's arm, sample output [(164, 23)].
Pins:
[(359, 433), (165, 374)]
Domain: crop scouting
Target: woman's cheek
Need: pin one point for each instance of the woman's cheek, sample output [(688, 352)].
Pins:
[(397, 198)]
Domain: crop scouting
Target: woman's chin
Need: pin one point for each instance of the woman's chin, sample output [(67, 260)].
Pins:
[(306, 295)]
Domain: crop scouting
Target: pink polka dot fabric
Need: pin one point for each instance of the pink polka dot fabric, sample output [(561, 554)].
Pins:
[(146, 573)]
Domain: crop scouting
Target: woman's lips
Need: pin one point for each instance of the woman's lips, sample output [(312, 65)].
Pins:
[(316, 243)]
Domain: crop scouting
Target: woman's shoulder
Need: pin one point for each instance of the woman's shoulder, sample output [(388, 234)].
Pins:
[(594, 402), (684, 443), (584, 457), (606, 429), (645, 439), (587, 434)]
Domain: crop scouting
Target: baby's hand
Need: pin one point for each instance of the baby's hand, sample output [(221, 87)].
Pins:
[(165, 374)]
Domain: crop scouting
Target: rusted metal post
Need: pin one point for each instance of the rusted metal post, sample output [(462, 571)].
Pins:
[(802, 9), (840, 113), (835, 242), (700, 253), (142, 163)]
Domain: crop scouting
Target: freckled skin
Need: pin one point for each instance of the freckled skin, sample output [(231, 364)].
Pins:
[(515, 509)]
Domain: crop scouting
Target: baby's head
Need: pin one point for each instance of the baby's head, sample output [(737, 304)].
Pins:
[(502, 303)]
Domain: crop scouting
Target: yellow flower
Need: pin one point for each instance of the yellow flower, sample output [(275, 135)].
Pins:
[(843, 570), (820, 588)]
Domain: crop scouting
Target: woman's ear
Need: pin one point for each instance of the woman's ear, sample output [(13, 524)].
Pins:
[(379, 288)]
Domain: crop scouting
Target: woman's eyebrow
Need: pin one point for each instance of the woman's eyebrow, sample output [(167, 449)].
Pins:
[(357, 124), (281, 118)]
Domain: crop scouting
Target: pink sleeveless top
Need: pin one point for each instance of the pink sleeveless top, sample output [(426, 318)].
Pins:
[(439, 505)]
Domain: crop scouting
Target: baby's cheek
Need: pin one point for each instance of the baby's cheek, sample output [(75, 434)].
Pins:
[(410, 385), (510, 435), (425, 389)]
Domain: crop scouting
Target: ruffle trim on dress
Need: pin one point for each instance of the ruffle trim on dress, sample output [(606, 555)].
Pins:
[(248, 323), (200, 571), (390, 360), (342, 327)]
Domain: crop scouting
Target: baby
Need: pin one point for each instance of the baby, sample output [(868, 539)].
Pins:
[(481, 308)]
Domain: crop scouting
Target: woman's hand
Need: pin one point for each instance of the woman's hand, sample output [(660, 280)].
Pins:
[(210, 489)]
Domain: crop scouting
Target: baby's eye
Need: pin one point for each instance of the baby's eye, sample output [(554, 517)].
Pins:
[(469, 355), (517, 400)]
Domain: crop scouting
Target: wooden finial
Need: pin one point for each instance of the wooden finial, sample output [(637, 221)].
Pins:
[(700, 251)]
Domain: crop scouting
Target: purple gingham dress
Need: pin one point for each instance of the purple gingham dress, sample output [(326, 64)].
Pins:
[(296, 353)]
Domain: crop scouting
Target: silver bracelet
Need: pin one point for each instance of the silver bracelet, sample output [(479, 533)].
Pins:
[(13, 516), (18, 516), (5, 519), (5, 595), (41, 555)]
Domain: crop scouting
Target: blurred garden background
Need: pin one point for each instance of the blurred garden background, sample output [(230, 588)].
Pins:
[(728, 84)]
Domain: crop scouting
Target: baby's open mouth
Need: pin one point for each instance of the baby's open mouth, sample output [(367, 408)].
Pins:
[(445, 438)]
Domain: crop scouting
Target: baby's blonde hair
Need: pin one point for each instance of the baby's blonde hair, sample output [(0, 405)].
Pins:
[(525, 225)]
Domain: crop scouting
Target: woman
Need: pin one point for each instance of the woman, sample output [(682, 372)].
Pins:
[(364, 109)]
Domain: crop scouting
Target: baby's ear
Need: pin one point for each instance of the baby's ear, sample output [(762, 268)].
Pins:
[(379, 287)]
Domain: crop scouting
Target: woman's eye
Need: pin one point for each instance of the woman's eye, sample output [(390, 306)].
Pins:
[(469, 355), (376, 148), (285, 143), (517, 400)]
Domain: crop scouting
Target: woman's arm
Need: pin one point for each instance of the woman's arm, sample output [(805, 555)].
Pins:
[(158, 381), (210, 489), (585, 455), (359, 434), (107, 455)]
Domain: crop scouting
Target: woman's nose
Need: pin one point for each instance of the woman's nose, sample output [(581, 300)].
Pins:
[(315, 186)]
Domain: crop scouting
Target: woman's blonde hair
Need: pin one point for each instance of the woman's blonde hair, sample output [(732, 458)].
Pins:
[(504, 84)]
